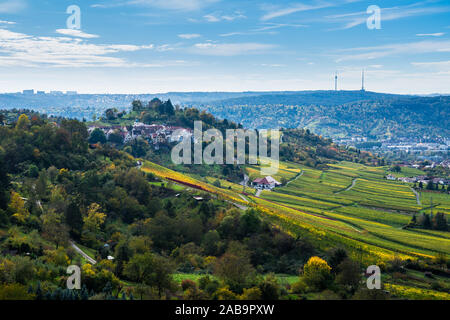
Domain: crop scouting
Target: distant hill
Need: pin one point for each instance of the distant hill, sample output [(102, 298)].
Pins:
[(342, 114), (326, 98), (334, 114)]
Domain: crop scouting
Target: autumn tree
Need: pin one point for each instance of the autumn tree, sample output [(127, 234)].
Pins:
[(17, 208), (23, 123), (93, 221), (317, 273)]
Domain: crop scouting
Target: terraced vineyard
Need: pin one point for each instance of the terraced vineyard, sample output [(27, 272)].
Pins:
[(361, 198), (350, 205)]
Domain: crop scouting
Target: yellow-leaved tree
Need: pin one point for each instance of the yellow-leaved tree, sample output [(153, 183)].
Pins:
[(93, 222), (17, 207), (317, 273), (23, 122)]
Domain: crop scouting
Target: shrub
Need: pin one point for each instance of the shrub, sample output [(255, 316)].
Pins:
[(317, 273), (188, 284), (224, 294), (251, 294), (300, 286), (270, 288)]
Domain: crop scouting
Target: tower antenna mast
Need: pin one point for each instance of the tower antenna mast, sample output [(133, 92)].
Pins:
[(363, 75), (336, 82)]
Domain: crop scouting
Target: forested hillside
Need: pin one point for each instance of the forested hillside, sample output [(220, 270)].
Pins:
[(372, 116)]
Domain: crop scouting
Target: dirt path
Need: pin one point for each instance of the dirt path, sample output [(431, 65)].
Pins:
[(243, 198), (417, 196), (298, 176), (258, 192), (349, 188)]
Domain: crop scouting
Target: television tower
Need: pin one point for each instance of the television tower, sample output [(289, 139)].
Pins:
[(336, 82), (362, 88)]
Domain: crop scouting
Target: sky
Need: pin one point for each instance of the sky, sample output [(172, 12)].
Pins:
[(155, 46)]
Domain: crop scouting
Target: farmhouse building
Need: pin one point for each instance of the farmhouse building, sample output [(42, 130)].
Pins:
[(267, 183)]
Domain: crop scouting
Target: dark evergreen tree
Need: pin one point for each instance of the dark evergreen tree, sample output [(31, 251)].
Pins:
[(440, 222), (74, 220), (97, 136)]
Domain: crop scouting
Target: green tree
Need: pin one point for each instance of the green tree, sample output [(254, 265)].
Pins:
[(53, 227), (97, 136), (234, 267), (425, 221), (440, 222), (136, 105), (151, 270), (349, 274), (15, 292), (74, 220), (270, 289)]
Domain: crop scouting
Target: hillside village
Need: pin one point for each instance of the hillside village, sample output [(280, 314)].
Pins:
[(153, 133)]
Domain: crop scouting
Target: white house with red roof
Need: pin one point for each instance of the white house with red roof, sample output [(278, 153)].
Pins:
[(267, 183)]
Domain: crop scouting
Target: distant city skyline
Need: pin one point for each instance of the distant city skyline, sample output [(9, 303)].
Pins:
[(155, 46)]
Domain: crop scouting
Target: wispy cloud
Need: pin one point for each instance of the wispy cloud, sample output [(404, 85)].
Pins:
[(276, 12), (177, 5), (12, 6), (370, 53), (20, 49), (230, 49), (76, 33), (273, 65), (7, 22), (438, 34), (217, 17), (268, 28), (189, 36), (435, 64)]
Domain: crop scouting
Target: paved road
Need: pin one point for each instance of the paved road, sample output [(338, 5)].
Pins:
[(239, 206), (77, 249), (417, 196)]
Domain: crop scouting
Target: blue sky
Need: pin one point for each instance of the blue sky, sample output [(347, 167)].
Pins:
[(149, 46)]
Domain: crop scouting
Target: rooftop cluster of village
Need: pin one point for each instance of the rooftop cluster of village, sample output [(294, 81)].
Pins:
[(155, 134), (422, 179)]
